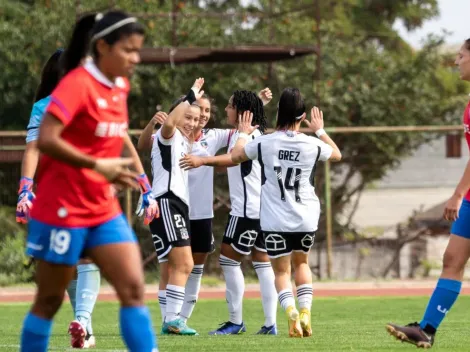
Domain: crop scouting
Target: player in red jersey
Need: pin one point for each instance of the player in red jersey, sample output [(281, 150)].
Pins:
[(76, 212), (456, 255)]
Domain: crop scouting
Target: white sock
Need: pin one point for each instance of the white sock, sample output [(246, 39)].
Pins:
[(235, 287), (286, 298), (174, 302), (193, 285), (304, 296), (162, 303), (268, 291)]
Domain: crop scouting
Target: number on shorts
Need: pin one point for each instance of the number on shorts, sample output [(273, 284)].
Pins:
[(60, 241), (288, 184), (179, 221)]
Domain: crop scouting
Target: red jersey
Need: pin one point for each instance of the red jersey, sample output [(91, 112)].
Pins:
[(94, 112), (466, 127)]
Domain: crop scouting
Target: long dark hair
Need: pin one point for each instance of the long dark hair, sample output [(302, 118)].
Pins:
[(291, 107), (244, 100), (91, 28), (49, 76)]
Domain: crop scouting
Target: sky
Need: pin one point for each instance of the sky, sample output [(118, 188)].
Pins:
[(454, 17)]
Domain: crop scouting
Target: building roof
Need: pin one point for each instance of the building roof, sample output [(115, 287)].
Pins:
[(223, 55)]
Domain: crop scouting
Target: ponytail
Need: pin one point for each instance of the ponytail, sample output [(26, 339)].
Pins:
[(110, 27), (77, 49)]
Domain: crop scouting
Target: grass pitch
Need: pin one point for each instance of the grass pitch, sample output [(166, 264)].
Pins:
[(339, 324)]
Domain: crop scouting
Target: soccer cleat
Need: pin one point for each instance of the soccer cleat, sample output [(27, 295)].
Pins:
[(77, 334), (411, 333), (178, 327), (229, 328), (305, 322), (268, 330), (90, 341), (295, 330)]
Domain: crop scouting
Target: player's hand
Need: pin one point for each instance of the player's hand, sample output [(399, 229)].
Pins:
[(196, 88), (189, 162), (159, 118), (244, 123), (451, 211), (111, 168), (25, 200), (265, 95), (316, 120), (147, 205)]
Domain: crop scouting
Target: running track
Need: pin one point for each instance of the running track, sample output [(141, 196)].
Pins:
[(394, 289)]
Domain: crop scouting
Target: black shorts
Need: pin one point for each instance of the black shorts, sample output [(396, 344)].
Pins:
[(202, 239), (279, 244), (243, 234), (172, 228)]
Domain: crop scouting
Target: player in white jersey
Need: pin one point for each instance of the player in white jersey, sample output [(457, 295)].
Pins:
[(170, 232), (290, 210), (206, 142), (242, 235)]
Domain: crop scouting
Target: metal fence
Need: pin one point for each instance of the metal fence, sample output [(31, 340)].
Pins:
[(357, 237)]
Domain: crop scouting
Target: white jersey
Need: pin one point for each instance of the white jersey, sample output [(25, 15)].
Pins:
[(167, 174), (244, 182), (288, 161), (201, 180)]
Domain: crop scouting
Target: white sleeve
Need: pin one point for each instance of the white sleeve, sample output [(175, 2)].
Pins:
[(325, 150), (165, 141), (251, 149), (222, 138)]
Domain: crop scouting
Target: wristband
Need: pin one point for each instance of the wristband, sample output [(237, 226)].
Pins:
[(190, 97), (320, 132)]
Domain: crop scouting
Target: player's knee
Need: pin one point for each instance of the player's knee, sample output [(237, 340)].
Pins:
[(131, 292), (453, 263), (48, 305)]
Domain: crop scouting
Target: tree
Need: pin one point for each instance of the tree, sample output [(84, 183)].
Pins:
[(370, 76)]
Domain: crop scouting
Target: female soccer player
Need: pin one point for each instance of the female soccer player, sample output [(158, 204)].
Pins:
[(289, 207), (242, 235), (76, 212), (206, 142), (458, 249), (88, 278), (170, 233)]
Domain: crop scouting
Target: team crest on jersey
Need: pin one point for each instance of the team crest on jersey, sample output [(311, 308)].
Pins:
[(204, 144)]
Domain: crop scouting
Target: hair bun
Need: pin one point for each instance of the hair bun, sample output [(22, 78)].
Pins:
[(98, 17)]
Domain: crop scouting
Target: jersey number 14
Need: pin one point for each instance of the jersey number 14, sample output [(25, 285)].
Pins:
[(290, 183)]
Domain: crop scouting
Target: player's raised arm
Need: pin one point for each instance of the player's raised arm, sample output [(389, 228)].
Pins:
[(245, 129), (145, 139), (316, 125), (170, 124)]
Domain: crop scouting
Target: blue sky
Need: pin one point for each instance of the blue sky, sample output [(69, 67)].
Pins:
[(454, 17)]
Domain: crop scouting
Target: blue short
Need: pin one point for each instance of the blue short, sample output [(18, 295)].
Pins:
[(461, 226), (66, 245)]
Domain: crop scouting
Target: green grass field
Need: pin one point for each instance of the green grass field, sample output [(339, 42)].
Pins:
[(339, 324)]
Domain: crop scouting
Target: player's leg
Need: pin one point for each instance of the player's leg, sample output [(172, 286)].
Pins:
[(113, 248), (163, 267), (265, 274), (231, 253), (87, 290), (201, 245), (444, 296), (279, 249), (56, 250), (72, 290), (301, 244), (172, 231)]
